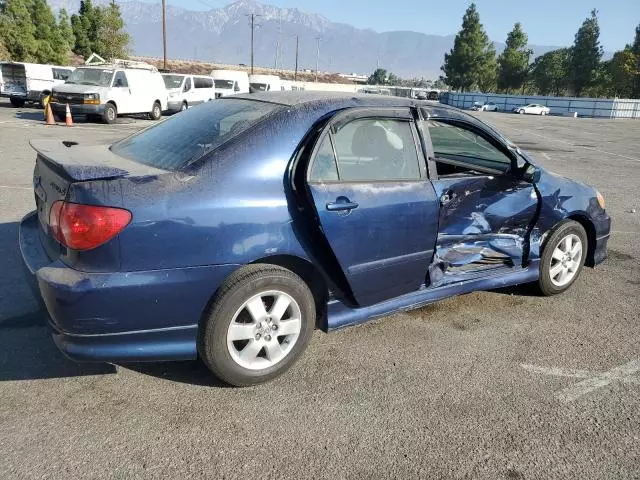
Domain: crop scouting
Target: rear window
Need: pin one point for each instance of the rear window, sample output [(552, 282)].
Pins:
[(182, 139)]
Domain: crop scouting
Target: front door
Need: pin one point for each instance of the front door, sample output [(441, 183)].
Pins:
[(486, 208), (374, 204), (121, 93)]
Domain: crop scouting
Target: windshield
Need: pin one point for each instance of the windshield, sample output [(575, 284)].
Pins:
[(91, 76), (184, 138), (225, 84), (259, 87), (172, 81)]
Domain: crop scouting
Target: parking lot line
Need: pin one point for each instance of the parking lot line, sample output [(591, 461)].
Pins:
[(571, 144)]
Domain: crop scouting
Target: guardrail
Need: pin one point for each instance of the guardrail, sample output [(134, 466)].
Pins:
[(584, 107)]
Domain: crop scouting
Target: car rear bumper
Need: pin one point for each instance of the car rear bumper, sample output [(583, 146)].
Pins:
[(119, 316), (61, 109)]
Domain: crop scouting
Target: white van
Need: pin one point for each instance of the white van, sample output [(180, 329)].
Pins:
[(264, 83), (186, 91), (30, 82), (111, 89), (230, 82)]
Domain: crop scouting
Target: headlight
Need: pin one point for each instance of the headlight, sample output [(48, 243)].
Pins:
[(92, 99), (600, 199)]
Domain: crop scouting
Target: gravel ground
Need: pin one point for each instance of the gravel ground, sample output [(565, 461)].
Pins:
[(487, 385)]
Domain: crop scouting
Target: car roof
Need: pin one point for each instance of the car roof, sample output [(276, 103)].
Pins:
[(340, 99)]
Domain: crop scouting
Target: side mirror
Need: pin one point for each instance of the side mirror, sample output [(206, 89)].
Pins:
[(532, 174)]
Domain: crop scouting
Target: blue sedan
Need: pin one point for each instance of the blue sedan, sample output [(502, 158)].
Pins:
[(231, 231)]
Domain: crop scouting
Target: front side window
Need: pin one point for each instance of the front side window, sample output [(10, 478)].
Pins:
[(461, 150), (368, 149), (224, 84), (120, 80), (187, 85), (61, 73), (172, 81)]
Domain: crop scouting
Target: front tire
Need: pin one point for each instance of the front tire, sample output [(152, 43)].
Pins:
[(110, 114), (260, 322), (521, 112), (184, 106), (156, 112), (562, 258)]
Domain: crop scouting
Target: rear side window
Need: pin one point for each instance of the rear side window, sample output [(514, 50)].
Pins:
[(370, 149), (200, 82), (183, 139)]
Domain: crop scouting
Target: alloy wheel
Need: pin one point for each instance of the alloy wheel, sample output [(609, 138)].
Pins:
[(264, 330), (565, 260)]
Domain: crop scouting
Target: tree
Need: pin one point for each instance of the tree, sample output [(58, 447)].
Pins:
[(393, 79), (112, 37), (4, 53), (487, 80), (17, 31), (468, 62), (621, 70), (585, 55), (379, 77), (635, 49), (513, 63), (51, 47), (550, 71), (65, 28), (86, 26)]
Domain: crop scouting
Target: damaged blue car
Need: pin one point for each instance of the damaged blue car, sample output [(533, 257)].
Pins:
[(231, 231)]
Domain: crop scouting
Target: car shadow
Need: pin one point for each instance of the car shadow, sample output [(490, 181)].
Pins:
[(192, 372), (27, 350)]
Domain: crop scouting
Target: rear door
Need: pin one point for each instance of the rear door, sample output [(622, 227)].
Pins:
[(373, 202), (486, 208)]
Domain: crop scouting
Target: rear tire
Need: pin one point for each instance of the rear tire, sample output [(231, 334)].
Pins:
[(17, 102), (156, 112), (259, 323), (110, 114), (562, 258)]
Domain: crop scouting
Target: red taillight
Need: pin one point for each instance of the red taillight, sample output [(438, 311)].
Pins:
[(83, 227)]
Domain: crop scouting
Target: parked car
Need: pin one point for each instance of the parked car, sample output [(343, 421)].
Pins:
[(230, 82), (476, 106), (30, 82), (231, 231), (104, 91), (532, 109), (489, 107), (265, 83), (186, 91)]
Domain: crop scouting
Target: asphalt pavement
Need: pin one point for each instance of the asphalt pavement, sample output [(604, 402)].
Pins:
[(495, 385)]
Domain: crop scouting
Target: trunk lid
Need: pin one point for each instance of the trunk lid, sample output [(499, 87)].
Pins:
[(61, 164)]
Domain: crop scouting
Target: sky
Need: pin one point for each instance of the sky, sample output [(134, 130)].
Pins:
[(547, 22)]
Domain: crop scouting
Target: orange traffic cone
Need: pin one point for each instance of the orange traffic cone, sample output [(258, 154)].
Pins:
[(68, 118), (49, 115)]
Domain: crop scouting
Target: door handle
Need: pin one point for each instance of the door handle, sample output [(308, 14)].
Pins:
[(341, 203)]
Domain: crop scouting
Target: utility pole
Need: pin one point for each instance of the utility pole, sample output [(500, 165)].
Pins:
[(164, 34), (317, 58), (253, 26), (295, 75)]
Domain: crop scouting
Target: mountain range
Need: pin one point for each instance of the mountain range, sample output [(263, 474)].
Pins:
[(222, 35)]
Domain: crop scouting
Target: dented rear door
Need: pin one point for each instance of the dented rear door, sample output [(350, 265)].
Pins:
[(486, 208)]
